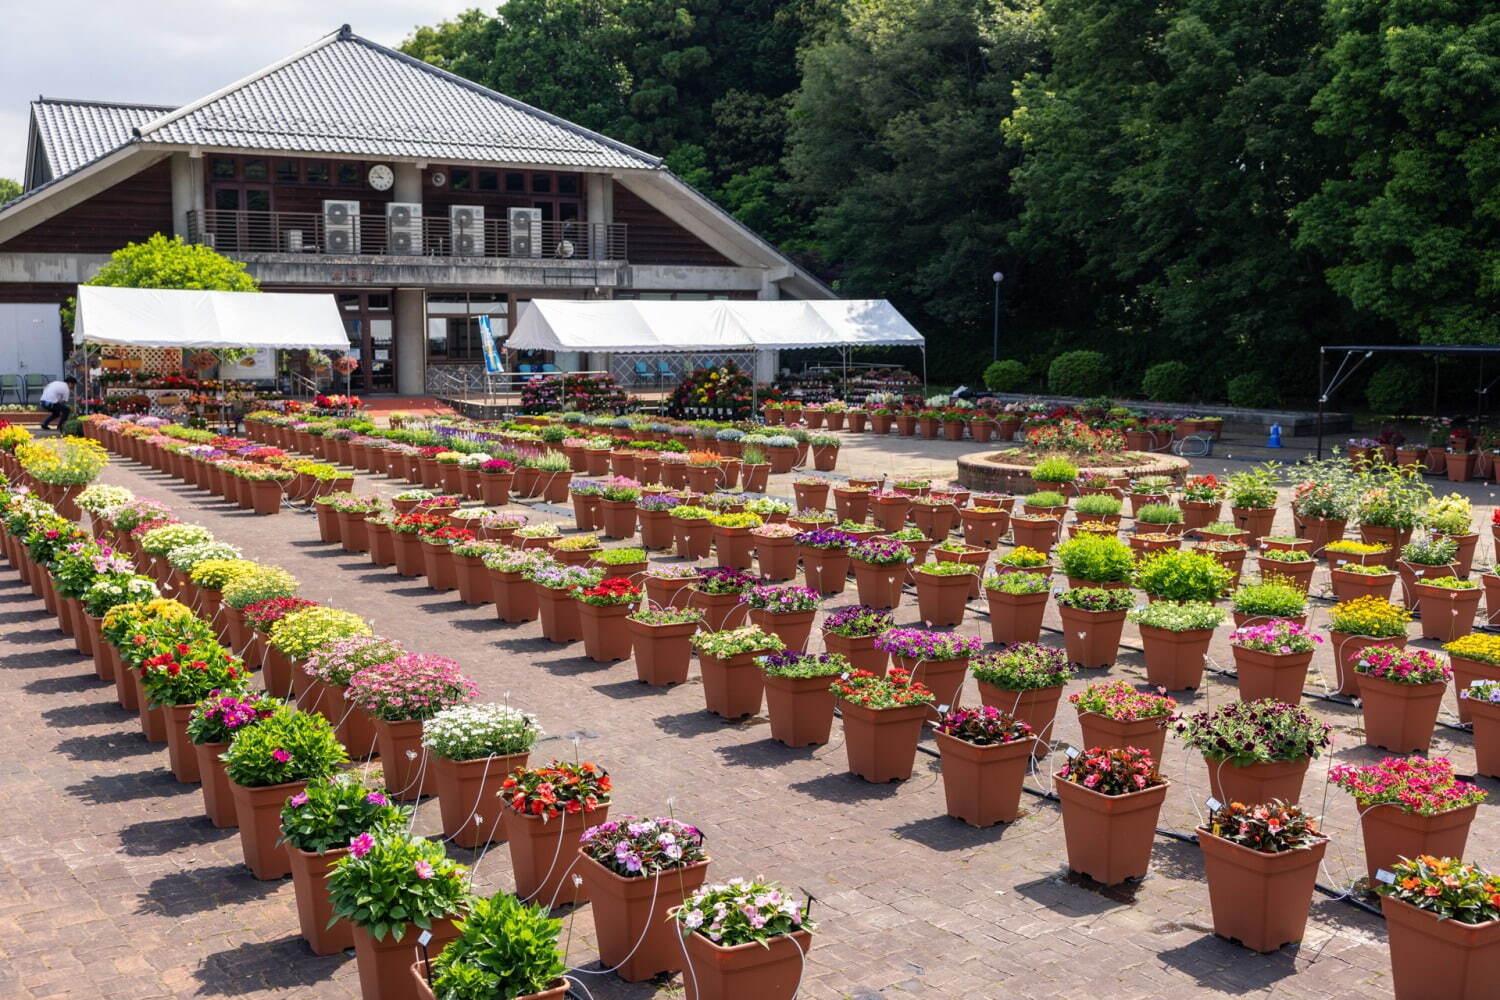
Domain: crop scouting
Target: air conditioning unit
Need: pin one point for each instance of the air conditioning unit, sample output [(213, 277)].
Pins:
[(525, 232), (466, 223), (403, 223), (294, 241), (341, 226)]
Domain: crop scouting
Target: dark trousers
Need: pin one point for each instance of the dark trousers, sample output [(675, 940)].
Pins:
[(59, 412)]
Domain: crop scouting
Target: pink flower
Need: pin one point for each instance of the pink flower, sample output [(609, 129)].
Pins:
[(280, 756), (376, 799), (298, 800), (423, 869), (361, 845)]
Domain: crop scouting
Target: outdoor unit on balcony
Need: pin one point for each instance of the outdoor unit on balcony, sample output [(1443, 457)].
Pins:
[(293, 239), (403, 223), (466, 222), (341, 226), (525, 232)]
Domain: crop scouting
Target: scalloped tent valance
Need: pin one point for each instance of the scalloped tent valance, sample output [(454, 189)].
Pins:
[(186, 318)]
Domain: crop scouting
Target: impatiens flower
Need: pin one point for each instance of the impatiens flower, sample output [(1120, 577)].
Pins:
[(280, 756), (361, 845), (423, 869), (376, 799), (298, 800)]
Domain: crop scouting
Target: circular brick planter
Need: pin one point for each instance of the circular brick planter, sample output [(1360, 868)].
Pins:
[(990, 472)]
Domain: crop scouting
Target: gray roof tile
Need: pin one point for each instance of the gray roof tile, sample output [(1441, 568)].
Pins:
[(73, 133)]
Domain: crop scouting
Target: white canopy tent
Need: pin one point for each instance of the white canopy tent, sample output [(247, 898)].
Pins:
[(642, 326), (188, 318)]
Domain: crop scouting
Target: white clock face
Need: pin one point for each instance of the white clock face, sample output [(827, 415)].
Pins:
[(381, 177)]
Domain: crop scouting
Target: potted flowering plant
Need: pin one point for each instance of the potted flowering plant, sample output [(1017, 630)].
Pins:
[(1409, 806), (1252, 500), (825, 558), (471, 748), (1093, 620), (264, 583), (175, 680), (1025, 681), (878, 571), (210, 728), (943, 591), (399, 694), (1443, 922), (798, 696), (327, 671), (408, 530), (1452, 518), (514, 594), (660, 642), (1176, 639), (1256, 750), (1271, 659), (883, 719), (267, 763), (1261, 863), (985, 755), (1481, 702), (718, 593), (260, 617), (653, 512), (984, 522), (692, 530), (786, 612), (1358, 624), (1110, 801), (390, 886), (1448, 606), (601, 614), (938, 660), (636, 872), (1017, 604), (545, 808), (1401, 691), (732, 684), (1114, 715), (756, 950), (1202, 501), (586, 494), (298, 635), (505, 947), (317, 825), (1473, 657), (554, 585), (852, 631)]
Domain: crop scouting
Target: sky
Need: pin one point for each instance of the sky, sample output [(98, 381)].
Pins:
[(168, 51)]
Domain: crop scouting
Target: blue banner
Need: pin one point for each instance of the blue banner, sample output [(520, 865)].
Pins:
[(492, 363)]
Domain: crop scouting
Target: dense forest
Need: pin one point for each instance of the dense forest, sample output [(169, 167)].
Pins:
[(1226, 183)]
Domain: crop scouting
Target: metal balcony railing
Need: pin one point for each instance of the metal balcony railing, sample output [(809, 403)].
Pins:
[(429, 236)]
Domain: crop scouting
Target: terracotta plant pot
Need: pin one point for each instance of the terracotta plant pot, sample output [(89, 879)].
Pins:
[(720, 611), (1391, 833), (385, 965), (494, 488), (1015, 617), (734, 547), (1485, 716), (409, 559), (944, 678), (1345, 650), (473, 580), (183, 761), (1347, 586), (1463, 560), (1271, 675), (515, 596), (825, 570), (1260, 782), (1092, 637), (662, 652), (278, 672), (983, 527), (769, 970), (258, 812), (792, 628), (1400, 717), (1259, 899), (605, 637), (1174, 660), (942, 600), (1143, 734), (1434, 959), (218, 797), (1447, 614), (777, 558), (1465, 673), (982, 784), (1256, 520), (314, 910), (407, 778), (732, 687), (1039, 534), (467, 791), (860, 651), (544, 854), (1109, 836), (153, 720), (879, 586), (636, 936), (693, 538), (1394, 539), (558, 612), (800, 709), (882, 743)]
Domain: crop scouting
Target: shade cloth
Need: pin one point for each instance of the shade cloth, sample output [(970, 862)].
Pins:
[(629, 325), (187, 318)]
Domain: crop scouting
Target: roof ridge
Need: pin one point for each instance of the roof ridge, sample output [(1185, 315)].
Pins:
[(516, 103), (142, 131), (140, 105)]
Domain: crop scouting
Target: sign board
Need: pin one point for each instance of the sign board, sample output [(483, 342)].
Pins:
[(492, 363), (261, 364)]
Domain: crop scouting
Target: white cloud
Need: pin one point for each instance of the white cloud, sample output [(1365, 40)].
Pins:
[(168, 51)]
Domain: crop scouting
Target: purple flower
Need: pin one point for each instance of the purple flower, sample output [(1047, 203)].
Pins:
[(376, 799), (299, 800), (361, 845), (826, 538), (921, 644), (423, 869)]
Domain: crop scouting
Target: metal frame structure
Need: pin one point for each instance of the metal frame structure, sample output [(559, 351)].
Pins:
[(1328, 386)]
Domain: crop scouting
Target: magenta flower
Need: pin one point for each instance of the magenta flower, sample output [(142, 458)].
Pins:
[(376, 799), (299, 800), (280, 756), (423, 869), (361, 845)]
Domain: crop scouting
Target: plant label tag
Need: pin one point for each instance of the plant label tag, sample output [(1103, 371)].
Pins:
[(425, 938), (943, 709), (1389, 878), (1214, 805), (1072, 753)]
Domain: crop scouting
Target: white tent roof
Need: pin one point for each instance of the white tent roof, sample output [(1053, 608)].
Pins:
[(629, 325), (169, 317)]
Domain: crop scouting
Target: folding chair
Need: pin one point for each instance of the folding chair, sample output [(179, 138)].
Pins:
[(11, 384), (37, 382), (664, 371), (643, 373), (550, 369)]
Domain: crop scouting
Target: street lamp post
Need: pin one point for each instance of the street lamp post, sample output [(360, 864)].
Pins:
[(997, 278)]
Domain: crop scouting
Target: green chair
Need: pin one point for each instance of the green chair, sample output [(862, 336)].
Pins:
[(37, 382), (11, 384)]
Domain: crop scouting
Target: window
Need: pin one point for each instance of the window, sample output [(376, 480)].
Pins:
[(461, 180), (378, 302), (453, 324), (227, 199), (541, 183), (317, 172), (348, 173), (489, 180), (515, 182), (567, 183), (288, 171), (223, 168), (254, 170)]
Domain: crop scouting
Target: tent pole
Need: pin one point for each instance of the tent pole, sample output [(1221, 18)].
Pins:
[(924, 373), (1322, 395)]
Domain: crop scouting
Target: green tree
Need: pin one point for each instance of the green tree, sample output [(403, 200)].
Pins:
[(1411, 221), (896, 146), (168, 262), (9, 190)]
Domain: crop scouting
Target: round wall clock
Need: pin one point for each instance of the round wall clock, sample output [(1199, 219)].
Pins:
[(381, 177)]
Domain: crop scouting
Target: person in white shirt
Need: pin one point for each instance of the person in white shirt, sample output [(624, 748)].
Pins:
[(55, 401)]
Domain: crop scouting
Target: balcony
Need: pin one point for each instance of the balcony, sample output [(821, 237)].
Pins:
[(540, 244)]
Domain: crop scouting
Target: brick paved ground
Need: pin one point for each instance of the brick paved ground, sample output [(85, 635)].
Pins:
[(112, 884)]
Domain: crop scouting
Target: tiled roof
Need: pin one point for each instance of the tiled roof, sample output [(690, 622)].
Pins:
[(73, 133), (345, 95)]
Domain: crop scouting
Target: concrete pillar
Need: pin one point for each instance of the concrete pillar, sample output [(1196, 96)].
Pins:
[(767, 362), (411, 341), (408, 186), (601, 211), (187, 191)]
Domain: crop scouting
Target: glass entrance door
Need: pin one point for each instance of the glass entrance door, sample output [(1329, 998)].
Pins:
[(371, 326)]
